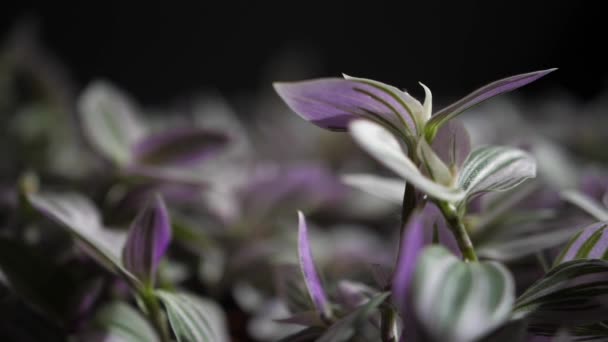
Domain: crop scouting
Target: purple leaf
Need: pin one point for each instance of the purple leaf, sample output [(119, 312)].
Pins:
[(309, 271), (148, 240), (493, 89), (452, 143), (412, 243), (332, 103), (590, 243), (178, 147)]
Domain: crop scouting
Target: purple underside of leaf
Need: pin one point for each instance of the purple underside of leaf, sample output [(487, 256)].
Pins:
[(309, 271), (332, 103), (148, 240), (179, 147), (493, 89), (412, 243), (452, 143)]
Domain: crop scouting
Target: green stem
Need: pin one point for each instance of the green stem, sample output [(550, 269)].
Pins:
[(155, 314), (388, 324), (459, 230)]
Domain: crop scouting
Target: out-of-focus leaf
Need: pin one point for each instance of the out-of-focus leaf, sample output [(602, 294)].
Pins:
[(117, 321), (80, 217), (573, 293), (589, 243), (309, 271), (179, 147), (522, 246), (306, 318), (412, 244), (306, 335), (332, 103), (290, 287), (460, 301), (493, 89), (147, 241), (588, 204), (390, 189), (495, 168), (348, 326), (109, 121), (382, 145), (194, 318)]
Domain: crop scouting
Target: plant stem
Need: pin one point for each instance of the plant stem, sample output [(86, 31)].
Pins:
[(388, 324), (459, 230), (155, 314)]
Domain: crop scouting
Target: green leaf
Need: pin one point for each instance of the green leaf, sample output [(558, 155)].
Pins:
[(460, 301), (194, 318), (348, 326), (79, 216), (382, 145), (390, 189), (573, 293), (109, 121), (118, 320), (495, 168)]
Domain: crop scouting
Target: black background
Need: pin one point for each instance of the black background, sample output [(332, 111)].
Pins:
[(159, 51)]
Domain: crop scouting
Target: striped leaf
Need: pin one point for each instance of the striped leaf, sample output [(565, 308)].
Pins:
[(332, 103), (194, 318), (390, 189), (109, 121), (117, 321), (309, 271), (589, 243), (495, 168), (382, 145), (573, 293), (460, 301), (79, 216), (486, 92)]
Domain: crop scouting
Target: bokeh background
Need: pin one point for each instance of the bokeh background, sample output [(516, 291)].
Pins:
[(159, 51)]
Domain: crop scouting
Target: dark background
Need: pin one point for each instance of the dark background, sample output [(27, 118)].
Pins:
[(160, 51)]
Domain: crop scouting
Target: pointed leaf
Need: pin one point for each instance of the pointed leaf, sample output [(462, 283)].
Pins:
[(179, 147), (332, 103), (348, 326), (435, 167), (309, 271), (412, 244), (589, 243), (586, 203), (460, 301), (80, 217), (390, 189), (194, 318), (148, 240), (382, 145), (574, 292), (493, 89), (495, 168), (109, 121)]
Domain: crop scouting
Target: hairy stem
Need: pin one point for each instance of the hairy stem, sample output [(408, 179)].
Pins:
[(459, 230), (155, 314)]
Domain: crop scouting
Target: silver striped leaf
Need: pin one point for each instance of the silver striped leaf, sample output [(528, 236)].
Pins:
[(589, 243), (460, 301), (194, 318), (495, 168)]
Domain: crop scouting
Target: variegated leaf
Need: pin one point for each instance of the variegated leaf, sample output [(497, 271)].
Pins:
[(117, 321), (589, 243), (382, 145), (574, 293), (495, 168), (460, 301), (194, 318)]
